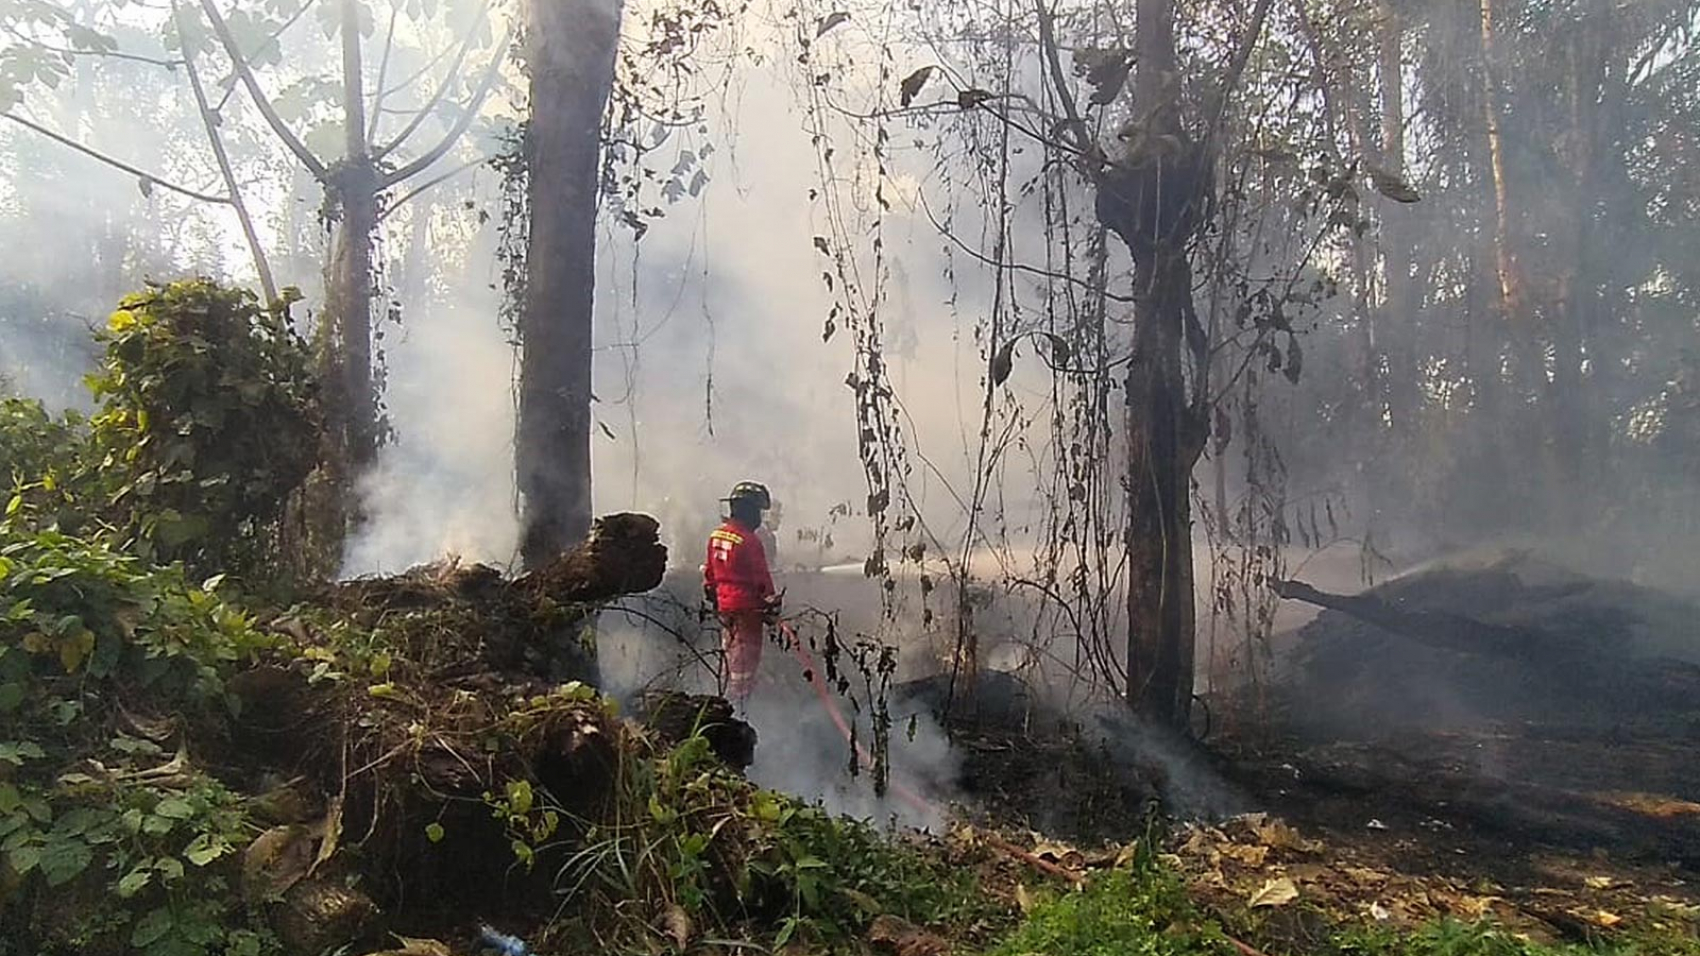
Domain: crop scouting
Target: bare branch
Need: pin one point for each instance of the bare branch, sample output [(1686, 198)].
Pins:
[(463, 123), (443, 87), (216, 140), (1048, 41), (433, 181), (383, 73), (1236, 68), (984, 259), (22, 37), (229, 82), (116, 163), (273, 120)]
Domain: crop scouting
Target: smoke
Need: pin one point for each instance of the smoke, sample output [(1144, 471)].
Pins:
[(656, 641), (1189, 786), (445, 484)]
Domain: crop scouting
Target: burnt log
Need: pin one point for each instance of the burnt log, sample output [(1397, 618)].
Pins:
[(676, 717), (1451, 632), (1593, 668), (622, 555)]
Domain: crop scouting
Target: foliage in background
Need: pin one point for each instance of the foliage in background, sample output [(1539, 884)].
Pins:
[(208, 422)]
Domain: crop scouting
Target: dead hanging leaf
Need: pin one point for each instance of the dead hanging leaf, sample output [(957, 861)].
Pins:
[(911, 85), (329, 833), (676, 926), (832, 21), (1107, 80), (1295, 360), (968, 99), (1276, 892), (824, 247), (1060, 350), (1003, 362), (1391, 186)]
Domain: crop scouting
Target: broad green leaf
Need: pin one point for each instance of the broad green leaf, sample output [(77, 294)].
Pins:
[(152, 928), (133, 882), (63, 860), (24, 858), (174, 808)]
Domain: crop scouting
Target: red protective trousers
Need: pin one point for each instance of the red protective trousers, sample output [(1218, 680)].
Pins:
[(741, 635)]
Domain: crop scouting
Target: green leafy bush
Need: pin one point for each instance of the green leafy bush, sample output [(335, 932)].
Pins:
[(50, 477), (105, 662), (209, 413), (207, 423)]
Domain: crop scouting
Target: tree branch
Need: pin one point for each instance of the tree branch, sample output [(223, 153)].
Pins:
[(290, 140), (1048, 41), (984, 259), (210, 121), (383, 73), (433, 181), (116, 163), (21, 37), (229, 82), (442, 88), (436, 152), (1236, 69)]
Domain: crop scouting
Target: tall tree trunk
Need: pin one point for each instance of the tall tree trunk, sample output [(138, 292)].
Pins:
[(1152, 200), (571, 55), (1160, 599), (1399, 301), (348, 300)]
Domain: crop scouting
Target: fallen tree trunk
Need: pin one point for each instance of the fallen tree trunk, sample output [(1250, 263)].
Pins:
[(1452, 632), (1584, 667)]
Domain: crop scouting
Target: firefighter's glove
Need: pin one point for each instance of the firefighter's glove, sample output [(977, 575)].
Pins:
[(770, 609), (711, 597)]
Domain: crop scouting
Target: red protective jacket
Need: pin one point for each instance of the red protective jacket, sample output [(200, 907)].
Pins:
[(737, 569)]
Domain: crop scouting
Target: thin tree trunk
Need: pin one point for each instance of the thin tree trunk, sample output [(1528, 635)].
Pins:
[(268, 285), (1399, 303), (571, 53)]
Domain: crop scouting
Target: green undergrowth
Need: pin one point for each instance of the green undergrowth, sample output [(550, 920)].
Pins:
[(1146, 911), (694, 851)]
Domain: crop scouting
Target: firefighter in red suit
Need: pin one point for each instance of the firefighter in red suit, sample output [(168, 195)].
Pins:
[(737, 583)]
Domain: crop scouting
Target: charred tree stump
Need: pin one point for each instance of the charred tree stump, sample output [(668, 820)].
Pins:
[(676, 717)]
